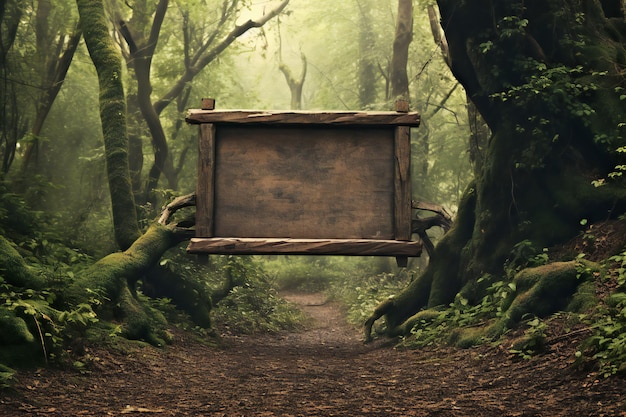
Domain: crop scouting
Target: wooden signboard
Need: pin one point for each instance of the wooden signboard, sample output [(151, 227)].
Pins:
[(323, 183)]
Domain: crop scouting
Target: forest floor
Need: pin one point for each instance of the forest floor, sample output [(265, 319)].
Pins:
[(325, 370)]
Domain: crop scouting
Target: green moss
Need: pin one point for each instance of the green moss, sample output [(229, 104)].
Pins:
[(107, 61), (584, 299), (14, 270), (467, 337), (13, 329), (420, 319), (111, 279), (544, 290), (141, 322)]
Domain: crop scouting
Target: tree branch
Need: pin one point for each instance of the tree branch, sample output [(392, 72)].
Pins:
[(202, 61)]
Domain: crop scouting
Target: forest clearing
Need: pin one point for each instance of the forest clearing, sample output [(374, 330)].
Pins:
[(324, 370)]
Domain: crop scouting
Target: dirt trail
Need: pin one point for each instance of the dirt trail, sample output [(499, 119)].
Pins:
[(324, 371)]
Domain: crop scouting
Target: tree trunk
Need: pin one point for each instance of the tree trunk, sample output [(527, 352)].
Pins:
[(479, 130), (400, 57), (141, 35), (11, 121), (113, 280), (546, 77), (141, 48), (295, 84), (55, 69), (367, 65), (113, 116)]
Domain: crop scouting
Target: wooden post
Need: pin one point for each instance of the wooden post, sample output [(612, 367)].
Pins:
[(208, 104), (206, 181), (402, 149), (402, 227)]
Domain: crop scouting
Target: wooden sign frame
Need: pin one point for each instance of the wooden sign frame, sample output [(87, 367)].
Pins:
[(295, 182)]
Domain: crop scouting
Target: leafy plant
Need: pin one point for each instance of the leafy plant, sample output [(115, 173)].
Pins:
[(253, 305), (533, 340), (525, 255), (461, 314), (608, 343), (7, 377)]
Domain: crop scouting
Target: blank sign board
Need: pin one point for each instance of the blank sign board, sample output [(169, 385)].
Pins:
[(304, 182)]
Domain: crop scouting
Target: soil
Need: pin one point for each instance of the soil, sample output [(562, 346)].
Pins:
[(325, 370)]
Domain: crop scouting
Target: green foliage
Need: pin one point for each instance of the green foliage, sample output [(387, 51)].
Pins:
[(35, 319), (532, 292), (608, 344), (304, 273), (533, 340), (621, 268), (459, 315), (7, 376), (254, 306), (559, 88), (362, 289), (525, 255)]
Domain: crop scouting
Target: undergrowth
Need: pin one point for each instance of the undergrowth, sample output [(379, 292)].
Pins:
[(254, 305), (607, 345)]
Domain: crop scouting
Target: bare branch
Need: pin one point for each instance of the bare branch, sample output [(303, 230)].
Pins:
[(210, 55)]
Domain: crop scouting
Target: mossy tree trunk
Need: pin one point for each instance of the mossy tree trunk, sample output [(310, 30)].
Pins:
[(548, 78), (114, 278), (107, 60)]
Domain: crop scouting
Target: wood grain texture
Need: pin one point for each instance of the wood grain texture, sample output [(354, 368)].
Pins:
[(319, 182), (252, 246), (402, 183), (205, 186), (380, 118)]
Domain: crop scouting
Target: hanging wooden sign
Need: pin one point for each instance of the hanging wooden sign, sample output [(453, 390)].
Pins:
[(294, 182)]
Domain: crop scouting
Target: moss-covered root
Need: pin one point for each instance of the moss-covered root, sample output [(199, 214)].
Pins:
[(13, 269), (111, 279), (141, 322), (441, 280), (545, 289), (541, 291), (417, 320)]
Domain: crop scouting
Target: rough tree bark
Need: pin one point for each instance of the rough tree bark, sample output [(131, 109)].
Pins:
[(547, 77), (479, 130), (107, 61)]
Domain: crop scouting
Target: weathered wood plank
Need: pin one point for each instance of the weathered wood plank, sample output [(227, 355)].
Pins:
[(272, 246), (319, 182), (205, 186), (371, 118), (402, 183)]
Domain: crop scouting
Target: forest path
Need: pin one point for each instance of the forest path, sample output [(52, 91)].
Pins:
[(323, 371)]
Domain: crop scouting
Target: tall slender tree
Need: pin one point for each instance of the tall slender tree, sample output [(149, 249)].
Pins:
[(107, 61), (367, 64), (11, 128), (400, 57)]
